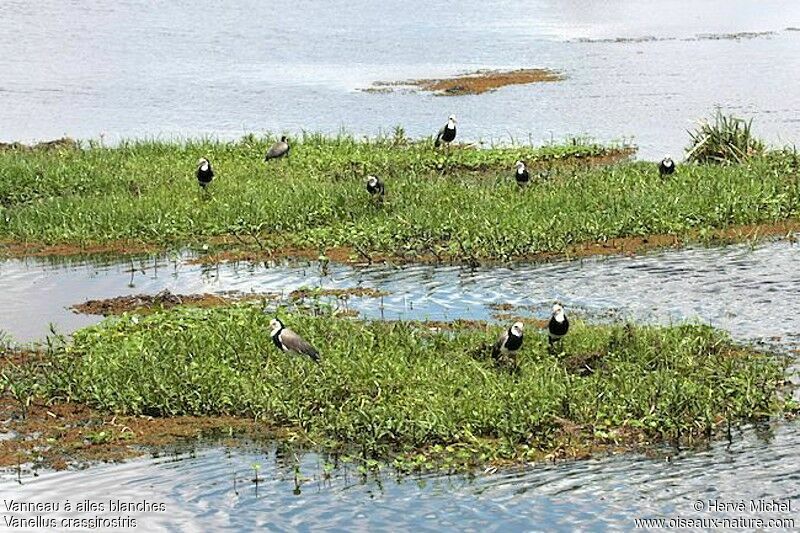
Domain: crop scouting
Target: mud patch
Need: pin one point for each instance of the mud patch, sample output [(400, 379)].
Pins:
[(147, 303), (477, 82)]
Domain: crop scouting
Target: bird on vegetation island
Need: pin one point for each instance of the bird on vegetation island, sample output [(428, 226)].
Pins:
[(509, 342), (375, 187), (278, 150), (521, 175), (666, 166), (204, 172), (288, 341), (447, 133), (558, 326)]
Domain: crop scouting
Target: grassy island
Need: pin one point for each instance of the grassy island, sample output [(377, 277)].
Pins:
[(420, 394), (453, 205)]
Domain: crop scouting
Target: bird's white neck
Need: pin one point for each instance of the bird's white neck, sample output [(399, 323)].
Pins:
[(275, 331), (451, 125), (559, 316), (204, 167)]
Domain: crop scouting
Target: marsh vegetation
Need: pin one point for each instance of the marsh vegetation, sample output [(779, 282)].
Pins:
[(424, 395), (460, 204)]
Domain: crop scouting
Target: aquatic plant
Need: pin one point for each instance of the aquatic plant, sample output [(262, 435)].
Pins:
[(725, 139), (401, 389)]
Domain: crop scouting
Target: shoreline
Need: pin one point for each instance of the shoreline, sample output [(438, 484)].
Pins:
[(232, 251)]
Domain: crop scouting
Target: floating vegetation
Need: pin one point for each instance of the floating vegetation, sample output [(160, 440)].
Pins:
[(738, 36), (409, 392), (148, 303), (64, 143), (477, 82), (341, 294)]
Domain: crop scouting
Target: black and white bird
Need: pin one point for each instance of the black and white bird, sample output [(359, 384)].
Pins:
[(278, 150), (558, 325), (447, 133), (375, 187), (521, 175), (666, 167), (204, 172), (509, 342), (288, 341)]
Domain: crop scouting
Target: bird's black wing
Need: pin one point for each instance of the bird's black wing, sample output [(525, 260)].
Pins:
[(439, 136)]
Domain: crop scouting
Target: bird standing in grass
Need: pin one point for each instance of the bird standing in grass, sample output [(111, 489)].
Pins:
[(278, 150), (204, 172), (509, 342), (521, 175), (447, 133), (558, 326), (288, 341), (666, 167), (375, 187)]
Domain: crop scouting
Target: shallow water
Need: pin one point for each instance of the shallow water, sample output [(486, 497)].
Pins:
[(750, 291), (127, 68), (199, 492)]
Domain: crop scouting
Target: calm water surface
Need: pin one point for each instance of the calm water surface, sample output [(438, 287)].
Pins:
[(132, 68)]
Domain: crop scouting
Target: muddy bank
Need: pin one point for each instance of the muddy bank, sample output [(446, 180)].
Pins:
[(230, 250), (616, 246), (108, 249), (66, 435), (477, 82)]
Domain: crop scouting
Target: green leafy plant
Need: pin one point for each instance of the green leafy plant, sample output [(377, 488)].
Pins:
[(725, 139)]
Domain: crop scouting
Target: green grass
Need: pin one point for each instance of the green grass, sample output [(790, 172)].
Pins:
[(457, 205), (399, 390)]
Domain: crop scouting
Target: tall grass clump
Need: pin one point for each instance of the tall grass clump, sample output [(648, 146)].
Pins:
[(393, 388), (725, 139)]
